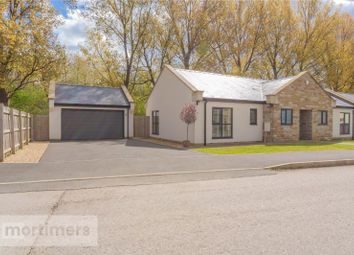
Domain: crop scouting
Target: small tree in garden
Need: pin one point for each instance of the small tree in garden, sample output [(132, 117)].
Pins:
[(188, 115)]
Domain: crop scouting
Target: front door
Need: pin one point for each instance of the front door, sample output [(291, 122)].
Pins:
[(305, 125)]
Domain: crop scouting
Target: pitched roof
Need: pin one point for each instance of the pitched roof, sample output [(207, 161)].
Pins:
[(347, 96), (341, 103), (219, 86), (342, 99), (66, 94)]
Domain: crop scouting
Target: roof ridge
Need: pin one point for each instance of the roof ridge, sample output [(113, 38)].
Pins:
[(234, 76), (229, 75), (284, 78), (83, 85)]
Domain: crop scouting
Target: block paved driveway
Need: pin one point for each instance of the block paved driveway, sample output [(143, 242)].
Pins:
[(66, 160)]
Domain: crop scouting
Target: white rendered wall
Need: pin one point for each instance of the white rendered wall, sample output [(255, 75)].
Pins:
[(242, 130), (168, 97), (336, 122)]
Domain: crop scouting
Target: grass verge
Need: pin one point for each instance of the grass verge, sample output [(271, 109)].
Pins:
[(274, 148)]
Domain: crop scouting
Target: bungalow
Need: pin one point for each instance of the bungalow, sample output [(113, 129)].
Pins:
[(238, 109)]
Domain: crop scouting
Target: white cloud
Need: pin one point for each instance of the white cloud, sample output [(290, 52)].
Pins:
[(72, 32), (346, 5), (344, 2)]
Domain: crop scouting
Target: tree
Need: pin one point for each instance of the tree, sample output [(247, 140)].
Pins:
[(124, 24), (188, 115), (133, 40), (316, 22), (237, 35), (32, 99), (336, 66), (103, 59), (29, 51), (190, 20), (278, 41), (157, 47)]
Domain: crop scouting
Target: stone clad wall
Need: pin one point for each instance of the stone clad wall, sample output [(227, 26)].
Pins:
[(302, 94)]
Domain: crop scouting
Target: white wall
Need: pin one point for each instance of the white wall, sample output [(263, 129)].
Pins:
[(55, 119), (336, 122), (131, 120), (168, 97), (242, 130)]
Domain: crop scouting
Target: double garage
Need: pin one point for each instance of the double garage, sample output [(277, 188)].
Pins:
[(89, 113)]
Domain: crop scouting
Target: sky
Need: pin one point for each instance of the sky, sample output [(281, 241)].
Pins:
[(72, 33)]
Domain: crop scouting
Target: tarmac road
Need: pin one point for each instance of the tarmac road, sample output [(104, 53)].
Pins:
[(293, 212)]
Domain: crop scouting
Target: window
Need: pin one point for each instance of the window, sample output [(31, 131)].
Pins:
[(344, 123), (253, 116), (286, 116), (155, 122), (322, 118), (222, 123)]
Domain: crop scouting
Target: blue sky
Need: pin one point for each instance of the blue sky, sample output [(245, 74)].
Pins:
[(58, 4), (72, 32)]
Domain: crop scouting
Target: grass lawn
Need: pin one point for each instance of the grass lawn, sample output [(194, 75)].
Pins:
[(262, 148)]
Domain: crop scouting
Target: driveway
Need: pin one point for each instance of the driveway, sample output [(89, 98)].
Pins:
[(67, 160)]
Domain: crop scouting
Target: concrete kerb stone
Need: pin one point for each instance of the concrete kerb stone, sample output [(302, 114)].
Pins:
[(311, 164)]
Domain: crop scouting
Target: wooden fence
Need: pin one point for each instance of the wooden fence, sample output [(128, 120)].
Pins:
[(141, 126), (15, 130), (40, 127)]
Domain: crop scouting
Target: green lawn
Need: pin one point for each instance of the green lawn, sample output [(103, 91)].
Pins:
[(261, 148)]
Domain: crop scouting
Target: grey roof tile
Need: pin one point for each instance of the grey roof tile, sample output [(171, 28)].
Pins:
[(221, 86), (348, 96), (66, 94), (341, 103), (342, 99)]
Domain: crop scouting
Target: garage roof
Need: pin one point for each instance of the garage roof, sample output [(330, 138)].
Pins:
[(70, 94)]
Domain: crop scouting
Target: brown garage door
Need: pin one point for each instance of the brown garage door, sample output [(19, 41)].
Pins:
[(91, 124)]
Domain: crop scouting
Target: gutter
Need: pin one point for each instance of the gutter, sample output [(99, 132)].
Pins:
[(92, 105), (234, 100)]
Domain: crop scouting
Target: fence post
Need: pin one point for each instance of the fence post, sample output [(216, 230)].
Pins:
[(28, 122), (20, 127), (32, 127), (2, 156), (12, 131)]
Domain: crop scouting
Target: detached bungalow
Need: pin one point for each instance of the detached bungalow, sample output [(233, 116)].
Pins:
[(238, 109)]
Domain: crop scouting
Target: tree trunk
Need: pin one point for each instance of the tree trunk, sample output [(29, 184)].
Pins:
[(187, 131), (3, 97)]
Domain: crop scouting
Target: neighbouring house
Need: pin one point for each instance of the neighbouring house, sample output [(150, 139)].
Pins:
[(238, 109), (79, 112), (343, 113)]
